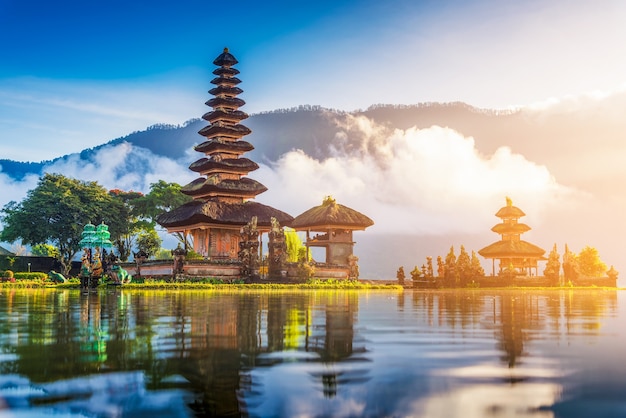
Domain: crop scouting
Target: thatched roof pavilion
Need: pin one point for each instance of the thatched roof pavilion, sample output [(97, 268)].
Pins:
[(511, 250), (331, 215), (335, 222)]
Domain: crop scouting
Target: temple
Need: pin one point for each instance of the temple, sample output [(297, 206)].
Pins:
[(221, 203), (514, 254)]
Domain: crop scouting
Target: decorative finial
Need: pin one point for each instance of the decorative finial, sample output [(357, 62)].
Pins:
[(328, 200), (509, 202), (226, 50)]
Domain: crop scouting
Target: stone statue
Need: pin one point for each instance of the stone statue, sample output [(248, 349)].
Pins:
[(353, 265), (400, 276), (612, 273), (140, 256), (97, 270), (179, 254), (277, 248), (120, 275), (56, 277), (85, 269), (249, 249)]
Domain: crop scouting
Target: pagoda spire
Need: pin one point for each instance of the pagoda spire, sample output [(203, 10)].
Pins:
[(222, 169)]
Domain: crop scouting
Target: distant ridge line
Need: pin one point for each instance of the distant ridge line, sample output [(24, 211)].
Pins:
[(379, 106)]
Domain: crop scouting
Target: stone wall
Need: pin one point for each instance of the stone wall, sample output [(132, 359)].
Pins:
[(41, 264), (199, 268)]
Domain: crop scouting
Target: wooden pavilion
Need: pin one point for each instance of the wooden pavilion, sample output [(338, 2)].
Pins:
[(512, 252), (221, 203), (335, 224)]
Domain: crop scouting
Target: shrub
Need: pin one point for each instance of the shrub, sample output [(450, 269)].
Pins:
[(8, 274), (31, 276), (473, 285), (192, 255)]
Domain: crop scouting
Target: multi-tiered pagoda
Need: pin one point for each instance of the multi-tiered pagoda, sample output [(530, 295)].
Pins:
[(221, 205), (514, 254)]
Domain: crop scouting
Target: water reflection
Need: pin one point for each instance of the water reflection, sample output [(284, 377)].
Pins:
[(303, 353)]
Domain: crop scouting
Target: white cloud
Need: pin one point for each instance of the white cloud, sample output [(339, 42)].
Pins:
[(15, 190), (427, 181), (124, 167)]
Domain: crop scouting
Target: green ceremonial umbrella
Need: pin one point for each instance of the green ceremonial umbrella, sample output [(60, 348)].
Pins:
[(96, 236), (103, 236), (88, 236)]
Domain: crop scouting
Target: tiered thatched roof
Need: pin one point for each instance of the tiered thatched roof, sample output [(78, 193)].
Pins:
[(506, 249), (211, 187), (222, 213), (515, 228), (509, 211), (217, 145), (227, 165)]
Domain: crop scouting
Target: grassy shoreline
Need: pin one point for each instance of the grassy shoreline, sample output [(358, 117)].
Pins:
[(211, 284)]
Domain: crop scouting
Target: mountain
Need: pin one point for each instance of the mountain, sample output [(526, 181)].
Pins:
[(557, 138), (569, 156)]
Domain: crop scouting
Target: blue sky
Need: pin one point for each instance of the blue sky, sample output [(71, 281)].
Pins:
[(75, 74)]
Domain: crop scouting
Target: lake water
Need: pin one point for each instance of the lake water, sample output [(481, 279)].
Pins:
[(461, 353)]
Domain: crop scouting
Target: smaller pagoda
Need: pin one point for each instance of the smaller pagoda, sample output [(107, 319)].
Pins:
[(334, 224), (513, 253)]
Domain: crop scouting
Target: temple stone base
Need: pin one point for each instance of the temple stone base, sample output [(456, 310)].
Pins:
[(229, 271), (204, 269)]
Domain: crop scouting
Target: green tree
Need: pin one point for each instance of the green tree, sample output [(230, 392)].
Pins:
[(570, 265), (590, 264), (553, 266), (475, 267), (450, 266), (149, 241), (463, 265), (163, 197), (294, 245), (131, 222), (55, 212), (45, 250), (164, 254)]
